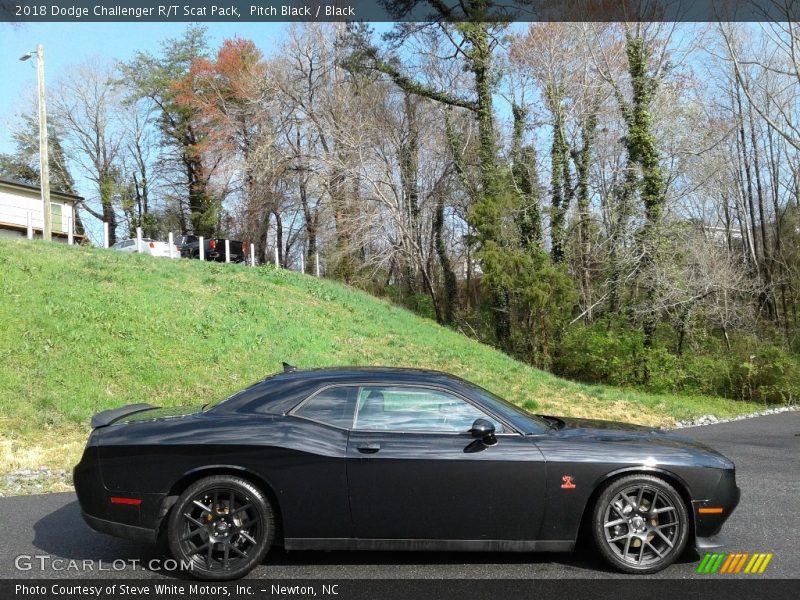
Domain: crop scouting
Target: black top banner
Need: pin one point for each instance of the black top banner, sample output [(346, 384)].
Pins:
[(400, 10)]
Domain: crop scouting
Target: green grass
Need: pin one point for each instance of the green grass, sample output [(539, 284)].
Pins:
[(83, 330)]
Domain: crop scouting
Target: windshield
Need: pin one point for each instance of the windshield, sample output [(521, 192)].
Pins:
[(518, 417)]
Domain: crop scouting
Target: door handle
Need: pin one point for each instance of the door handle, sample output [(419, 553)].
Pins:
[(371, 448)]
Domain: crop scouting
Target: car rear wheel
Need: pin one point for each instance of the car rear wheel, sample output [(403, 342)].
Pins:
[(221, 527), (640, 524)]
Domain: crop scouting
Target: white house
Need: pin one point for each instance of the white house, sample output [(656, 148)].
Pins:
[(21, 205)]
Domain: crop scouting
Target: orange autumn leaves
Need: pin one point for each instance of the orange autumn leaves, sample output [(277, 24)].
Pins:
[(224, 92)]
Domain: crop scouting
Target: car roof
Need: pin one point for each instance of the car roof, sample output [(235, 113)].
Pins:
[(366, 373), (280, 392)]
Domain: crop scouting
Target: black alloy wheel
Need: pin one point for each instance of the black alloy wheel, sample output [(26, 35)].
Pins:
[(221, 527), (640, 524)]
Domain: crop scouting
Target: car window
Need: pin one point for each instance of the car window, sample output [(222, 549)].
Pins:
[(332, 406), (408, 408), (516, 416)]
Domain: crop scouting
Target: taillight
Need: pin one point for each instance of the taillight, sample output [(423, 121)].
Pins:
[(212, 244), (123, 500), (152, 244)]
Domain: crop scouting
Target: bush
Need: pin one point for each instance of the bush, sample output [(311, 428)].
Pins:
[(601, 353), (770, 376), (664, 372), (709, 375), (612, 353)]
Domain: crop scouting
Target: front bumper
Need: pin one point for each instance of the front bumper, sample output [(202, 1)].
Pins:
[(707, 525), (713, 542)]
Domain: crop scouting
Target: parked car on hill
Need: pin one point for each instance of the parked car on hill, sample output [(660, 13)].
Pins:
[(183, 240), (148, 246), (214, 249), (394, 459)]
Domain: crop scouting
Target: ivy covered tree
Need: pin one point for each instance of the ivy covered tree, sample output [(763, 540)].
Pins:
[(475, 43), (643, 154)]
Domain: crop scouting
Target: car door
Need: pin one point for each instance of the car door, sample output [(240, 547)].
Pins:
[(414, 471), (311, 477)]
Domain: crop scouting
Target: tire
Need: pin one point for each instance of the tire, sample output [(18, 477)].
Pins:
[(220, 528), (644, 534)]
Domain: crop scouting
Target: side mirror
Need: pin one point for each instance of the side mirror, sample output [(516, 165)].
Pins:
[(483, 430)]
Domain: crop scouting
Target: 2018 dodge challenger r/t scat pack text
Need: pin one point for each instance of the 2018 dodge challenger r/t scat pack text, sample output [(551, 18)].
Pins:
[(390, 459)]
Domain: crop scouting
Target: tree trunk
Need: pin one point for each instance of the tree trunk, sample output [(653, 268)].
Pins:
[(409, 162), (523, 170), (107, 203), (583, 163), (279, 238), (769, 299), (559, 178), (450, 283), (310, 222)]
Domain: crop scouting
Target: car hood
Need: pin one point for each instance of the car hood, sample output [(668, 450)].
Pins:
[(612, 430), (599, 425), (635, 435)]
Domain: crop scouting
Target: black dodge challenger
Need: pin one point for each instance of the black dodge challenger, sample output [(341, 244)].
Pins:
[(391, 459)]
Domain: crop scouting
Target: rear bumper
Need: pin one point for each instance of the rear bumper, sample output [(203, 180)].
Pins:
[(218, 256), (134, 521), (121, 530)]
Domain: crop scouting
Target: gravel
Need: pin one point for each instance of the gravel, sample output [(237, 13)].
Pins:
[(711, 419), (34, 481)]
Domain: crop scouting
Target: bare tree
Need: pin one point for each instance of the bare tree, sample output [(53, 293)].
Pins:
[(87, 104)]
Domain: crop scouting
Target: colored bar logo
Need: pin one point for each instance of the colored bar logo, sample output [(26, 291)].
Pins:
[(734, 563)]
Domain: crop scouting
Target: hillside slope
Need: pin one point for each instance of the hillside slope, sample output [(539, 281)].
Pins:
[(82, 330)]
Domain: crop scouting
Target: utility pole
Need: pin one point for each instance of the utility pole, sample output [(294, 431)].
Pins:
[(44, 165)]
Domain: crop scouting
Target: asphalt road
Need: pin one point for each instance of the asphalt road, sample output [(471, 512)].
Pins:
[(766, 451)]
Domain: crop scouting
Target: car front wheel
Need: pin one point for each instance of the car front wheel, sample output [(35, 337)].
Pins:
[(640, 524), (220, 528)]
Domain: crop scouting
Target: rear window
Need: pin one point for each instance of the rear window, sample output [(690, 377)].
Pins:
[(332, 406)]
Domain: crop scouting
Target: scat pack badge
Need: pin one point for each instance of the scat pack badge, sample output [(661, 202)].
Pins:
[(567, 483)]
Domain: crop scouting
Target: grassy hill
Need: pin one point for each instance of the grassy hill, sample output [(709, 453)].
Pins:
[(83, 330)]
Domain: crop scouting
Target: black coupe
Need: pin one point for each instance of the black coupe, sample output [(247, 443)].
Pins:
[(390, 459)]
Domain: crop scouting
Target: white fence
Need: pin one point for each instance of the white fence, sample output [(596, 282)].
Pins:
[(251, 256), (32, 221)]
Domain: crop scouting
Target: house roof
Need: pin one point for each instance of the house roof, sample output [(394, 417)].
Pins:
[(13, 183)]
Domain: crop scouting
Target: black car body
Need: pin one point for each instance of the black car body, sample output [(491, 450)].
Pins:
[(213, 249), (333, 481)]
